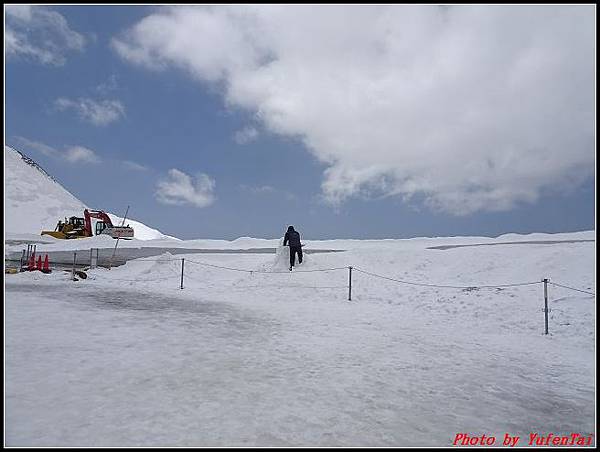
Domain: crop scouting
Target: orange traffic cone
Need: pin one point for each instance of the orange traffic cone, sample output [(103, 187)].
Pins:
[(39, 263), (46, 267), (31, 264)]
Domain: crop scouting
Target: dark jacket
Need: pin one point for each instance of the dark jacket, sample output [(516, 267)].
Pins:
[(293, 237)]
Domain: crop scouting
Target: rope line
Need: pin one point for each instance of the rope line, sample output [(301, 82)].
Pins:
[(445, 286), (264, 271), (287, 287), (139, 280), (220, 266), (142, 260), (304, 271), (571, 288)]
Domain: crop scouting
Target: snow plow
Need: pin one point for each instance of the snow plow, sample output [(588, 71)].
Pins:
[(77, 227)]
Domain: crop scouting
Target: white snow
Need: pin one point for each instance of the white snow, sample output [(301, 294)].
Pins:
[(35, 202), (269, 358)]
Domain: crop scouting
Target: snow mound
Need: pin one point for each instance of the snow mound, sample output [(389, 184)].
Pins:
[(282, 259), (141, 231), (156, 269)]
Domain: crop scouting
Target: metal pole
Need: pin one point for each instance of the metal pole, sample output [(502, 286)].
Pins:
[(73, 271), (182, 262), (113, 254), (545, 305), (93, 259), (117, 244), (125, 217), (28, 248), (349, 283)]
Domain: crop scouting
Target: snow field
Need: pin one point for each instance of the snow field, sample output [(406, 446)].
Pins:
[(126, 357), (503, 309), (497, 309)]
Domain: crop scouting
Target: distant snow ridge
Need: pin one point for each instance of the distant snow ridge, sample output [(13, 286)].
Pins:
[(35, 201)]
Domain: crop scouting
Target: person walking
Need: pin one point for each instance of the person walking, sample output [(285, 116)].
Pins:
[(293, 237)]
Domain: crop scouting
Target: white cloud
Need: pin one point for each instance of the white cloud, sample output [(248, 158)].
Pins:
[(38, 146), (179, 188), (245, 135), (97, 112), (72, 154), (267, 190), (110, 85), (37, 33), (260, 189), (80, 154), (134, 166), (467, 107)]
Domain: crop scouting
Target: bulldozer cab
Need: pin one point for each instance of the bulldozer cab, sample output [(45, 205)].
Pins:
[(77, 222), (73, 227), (70, 224)]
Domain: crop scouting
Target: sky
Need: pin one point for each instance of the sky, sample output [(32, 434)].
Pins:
[(347, 121)]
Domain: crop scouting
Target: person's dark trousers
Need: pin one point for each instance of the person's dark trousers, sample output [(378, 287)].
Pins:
[(293, 251)]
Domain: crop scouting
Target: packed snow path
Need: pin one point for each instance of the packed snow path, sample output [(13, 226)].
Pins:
[(110, 367)]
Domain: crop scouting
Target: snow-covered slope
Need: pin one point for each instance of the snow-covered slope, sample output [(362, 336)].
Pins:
[(35, 201)]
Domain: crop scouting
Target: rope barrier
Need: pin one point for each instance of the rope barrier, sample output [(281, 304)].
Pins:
[(304, 271), (137, 280), (375, 275), (287, 286), (571, 288), (140, 260), (545, 281), (219, 266), (265, 271), (445, 286)]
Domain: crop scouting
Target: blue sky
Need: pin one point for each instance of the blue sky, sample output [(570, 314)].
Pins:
[(206, 134)]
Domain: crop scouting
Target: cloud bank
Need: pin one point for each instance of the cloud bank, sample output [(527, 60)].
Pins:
[(464, 108), (39, 34)]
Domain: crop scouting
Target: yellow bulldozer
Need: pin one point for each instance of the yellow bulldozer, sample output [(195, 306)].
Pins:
[(72, 228)]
